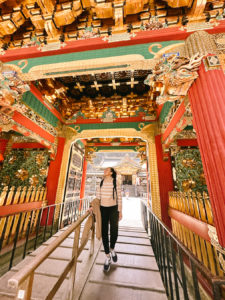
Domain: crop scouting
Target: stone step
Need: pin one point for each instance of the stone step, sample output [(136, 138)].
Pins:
[(133, 249), (99, 291), (133, 234), (136, 261), (133, 240), (134, 229), (144, 279)]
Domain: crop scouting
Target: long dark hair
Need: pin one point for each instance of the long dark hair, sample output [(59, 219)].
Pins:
[(113, 175)]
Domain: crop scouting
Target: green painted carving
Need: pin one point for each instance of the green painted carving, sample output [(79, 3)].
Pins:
[(25, 167), (142, 49), (109, 114), (136, 125), (30, 100), (189, 171), (142, 110), (78, 115), (164, 112), (116, 148)]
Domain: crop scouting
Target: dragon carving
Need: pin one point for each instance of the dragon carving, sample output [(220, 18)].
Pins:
[(175, 75)]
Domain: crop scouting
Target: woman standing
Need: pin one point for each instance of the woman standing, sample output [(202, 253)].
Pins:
[(109, 193)]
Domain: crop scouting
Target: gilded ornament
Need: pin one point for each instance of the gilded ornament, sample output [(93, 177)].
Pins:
[(188, 185), (189, 163), (188, 166), (202, 178), (34, 180), (22, 174), (43, 172), (40, 159), (12, 159)]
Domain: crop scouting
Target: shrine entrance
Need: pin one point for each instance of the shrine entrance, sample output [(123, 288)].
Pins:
[(89, 157)]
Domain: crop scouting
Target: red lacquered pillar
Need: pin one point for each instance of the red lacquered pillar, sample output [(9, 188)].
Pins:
[(207, 98), (165, 180), (53, 177)]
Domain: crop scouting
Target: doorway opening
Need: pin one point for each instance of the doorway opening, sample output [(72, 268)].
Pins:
[(131, 174)]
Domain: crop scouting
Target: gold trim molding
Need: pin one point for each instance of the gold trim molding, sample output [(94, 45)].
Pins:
[(147, 134)]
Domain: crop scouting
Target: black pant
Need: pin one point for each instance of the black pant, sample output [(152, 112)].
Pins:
[(109, 215)]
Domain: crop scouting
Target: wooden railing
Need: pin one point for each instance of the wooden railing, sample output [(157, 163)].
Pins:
[(192, 220), (22, 281), (14, 201)]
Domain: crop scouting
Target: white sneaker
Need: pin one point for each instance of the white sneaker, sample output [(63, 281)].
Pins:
[(114, 255), (107, 263)]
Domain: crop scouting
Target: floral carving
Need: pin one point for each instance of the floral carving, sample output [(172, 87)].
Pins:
[(43, 172), (24, 169), (189, 163), (12, 159), (34, 180), (22, 174), (39, 159), (153, 24), (189, 170)]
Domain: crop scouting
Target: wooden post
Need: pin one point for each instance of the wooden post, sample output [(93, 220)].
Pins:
[(3, 195), (92, 246), (74, 267), (25, 289)]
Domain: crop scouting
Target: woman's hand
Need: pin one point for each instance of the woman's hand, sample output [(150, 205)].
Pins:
[(120, 215), (90, 210)]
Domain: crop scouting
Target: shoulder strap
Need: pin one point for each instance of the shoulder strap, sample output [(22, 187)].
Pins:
[(101, 183)]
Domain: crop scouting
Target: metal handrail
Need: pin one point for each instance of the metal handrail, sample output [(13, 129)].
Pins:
[(22, 281), (173, 257)]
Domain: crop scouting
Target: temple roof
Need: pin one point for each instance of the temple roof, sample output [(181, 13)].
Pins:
[(27, 23), (127, 166)]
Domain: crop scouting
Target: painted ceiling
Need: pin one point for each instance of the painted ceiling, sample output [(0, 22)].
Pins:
[(91, 96)]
